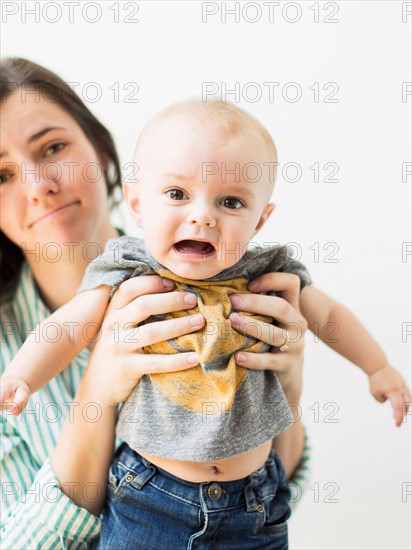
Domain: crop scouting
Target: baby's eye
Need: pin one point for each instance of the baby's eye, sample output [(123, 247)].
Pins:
[(176, 194), (232, 203), (54, 148)]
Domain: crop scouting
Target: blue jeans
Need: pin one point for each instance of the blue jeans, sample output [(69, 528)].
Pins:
[(150, 509)]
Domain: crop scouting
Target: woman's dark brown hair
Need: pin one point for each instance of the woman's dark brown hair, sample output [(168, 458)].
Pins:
[(17, 74)]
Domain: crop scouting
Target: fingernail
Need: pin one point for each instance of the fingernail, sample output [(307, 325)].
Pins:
[(167, 283), (235, 318), (196, 320), (192, 358), (240, 358), (190, 298), (254, 285), (235, 300)]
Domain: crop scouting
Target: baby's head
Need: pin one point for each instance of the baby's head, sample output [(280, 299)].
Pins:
[(206, 174)]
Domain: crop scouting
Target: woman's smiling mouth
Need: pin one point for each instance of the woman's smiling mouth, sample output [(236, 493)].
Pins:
[(52, 213)]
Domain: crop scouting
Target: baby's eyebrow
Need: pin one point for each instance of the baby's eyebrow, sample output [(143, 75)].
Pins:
[(175, 176), (240, 190)]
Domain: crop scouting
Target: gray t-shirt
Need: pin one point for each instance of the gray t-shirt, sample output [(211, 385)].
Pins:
[(217, 409)]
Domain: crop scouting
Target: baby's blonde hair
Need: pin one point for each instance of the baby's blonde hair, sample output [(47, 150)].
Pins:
[(230, 119)]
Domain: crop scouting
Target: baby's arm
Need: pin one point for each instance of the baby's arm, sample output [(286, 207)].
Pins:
[(344, 333), (52, 346)]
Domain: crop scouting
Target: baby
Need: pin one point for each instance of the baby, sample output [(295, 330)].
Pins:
[(206, 175)]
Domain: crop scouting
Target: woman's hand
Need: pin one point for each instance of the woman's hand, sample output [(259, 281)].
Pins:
[(288, 364), (285, 310), (85, 448), (118, 361)]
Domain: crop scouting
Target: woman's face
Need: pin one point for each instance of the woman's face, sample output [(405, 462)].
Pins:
[(52, 187)]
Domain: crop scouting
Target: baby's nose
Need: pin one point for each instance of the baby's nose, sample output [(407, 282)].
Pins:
[(202, 217)]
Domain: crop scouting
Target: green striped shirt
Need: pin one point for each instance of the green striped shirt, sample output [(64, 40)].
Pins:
[(35, 512)]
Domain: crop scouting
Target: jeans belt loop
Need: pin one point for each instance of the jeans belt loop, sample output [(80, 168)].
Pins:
[(140, 480), (251, 503)]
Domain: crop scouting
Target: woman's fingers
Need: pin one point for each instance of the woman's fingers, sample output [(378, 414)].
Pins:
[(140, 297), (287, 366), (278, 362), (146, 363), (275, 336), (118, 361), (154, 304), (274, 306), (139, 286), (151, 333), (285, 310), (288, 284), (292, 333)]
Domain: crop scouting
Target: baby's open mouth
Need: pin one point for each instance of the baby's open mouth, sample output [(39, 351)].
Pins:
[(194, 247)]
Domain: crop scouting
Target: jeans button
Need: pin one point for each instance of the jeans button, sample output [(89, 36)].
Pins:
[(214, 491)]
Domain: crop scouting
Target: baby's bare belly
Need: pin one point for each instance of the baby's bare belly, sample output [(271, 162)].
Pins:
[(227, 469)]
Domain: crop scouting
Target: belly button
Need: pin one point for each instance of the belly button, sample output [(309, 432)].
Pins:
[(215, 470)]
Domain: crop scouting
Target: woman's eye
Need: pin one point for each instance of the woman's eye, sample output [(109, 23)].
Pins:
[(232, 203), (4, 178), (176, 194), (55, 148)]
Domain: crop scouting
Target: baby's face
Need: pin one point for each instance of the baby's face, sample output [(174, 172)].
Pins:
[(197, 200)]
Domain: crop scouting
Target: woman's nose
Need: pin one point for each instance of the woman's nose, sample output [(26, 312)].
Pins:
[(40, 182), (201, 216)]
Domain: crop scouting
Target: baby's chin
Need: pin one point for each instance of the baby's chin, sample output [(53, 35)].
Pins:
[(197, 272)]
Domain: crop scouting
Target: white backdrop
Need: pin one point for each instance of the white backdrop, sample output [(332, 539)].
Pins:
[(331, 81)]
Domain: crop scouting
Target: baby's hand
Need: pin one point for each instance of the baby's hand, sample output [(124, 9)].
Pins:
[(387, 383), (14, 394)]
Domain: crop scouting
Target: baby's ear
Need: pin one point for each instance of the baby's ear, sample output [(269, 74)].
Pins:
[(132, 200), (269, 208)]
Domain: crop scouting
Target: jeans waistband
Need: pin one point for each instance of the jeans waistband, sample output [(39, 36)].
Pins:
[(212, 495)]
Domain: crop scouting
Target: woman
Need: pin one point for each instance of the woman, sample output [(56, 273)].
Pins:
[(59, 172)]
